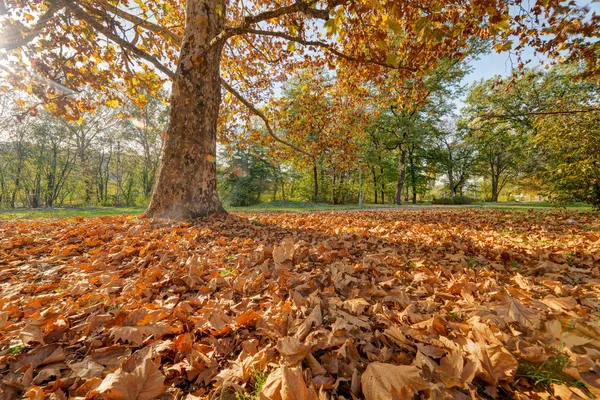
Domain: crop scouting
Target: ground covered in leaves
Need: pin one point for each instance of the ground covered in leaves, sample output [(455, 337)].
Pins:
[(442, 304)]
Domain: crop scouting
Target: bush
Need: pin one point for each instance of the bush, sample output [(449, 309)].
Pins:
[(453, 200)]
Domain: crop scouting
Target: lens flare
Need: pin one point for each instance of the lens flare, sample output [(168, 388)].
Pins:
[(137, 123)]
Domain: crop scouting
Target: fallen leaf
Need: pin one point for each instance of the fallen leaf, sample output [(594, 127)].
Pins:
[(387, 381), (145, 382)]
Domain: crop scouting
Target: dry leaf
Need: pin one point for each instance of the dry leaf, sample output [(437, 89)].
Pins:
[(387, 381), (145, 382)]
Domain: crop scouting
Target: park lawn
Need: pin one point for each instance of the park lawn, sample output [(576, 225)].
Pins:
[(67, 213), (493, 303), (273, 206)]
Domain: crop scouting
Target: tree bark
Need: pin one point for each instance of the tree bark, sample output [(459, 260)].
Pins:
[(401, 176), (374, 183), (413, 177), (186, 187), (316, 181), (382, 183)]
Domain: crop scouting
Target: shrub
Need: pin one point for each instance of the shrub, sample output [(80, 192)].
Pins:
[(453, 200)]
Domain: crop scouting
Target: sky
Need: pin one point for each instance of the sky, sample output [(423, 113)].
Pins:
[(499, 64), (492, 64)]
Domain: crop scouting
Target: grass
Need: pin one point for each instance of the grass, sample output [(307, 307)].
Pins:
[(536, 205), (543, 375), (299, 206), (273, 206), (66, 213), (17, 350), (258, 381)]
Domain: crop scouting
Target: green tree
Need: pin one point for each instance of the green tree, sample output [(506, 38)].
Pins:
[(247, 175)]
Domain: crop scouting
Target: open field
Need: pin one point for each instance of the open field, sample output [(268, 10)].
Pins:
[(444, 303), (274, 206)]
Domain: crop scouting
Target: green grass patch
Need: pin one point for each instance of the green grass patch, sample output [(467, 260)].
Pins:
[(66, 213), (273, 206), (543, 375), (298, 206), (257, 382), (536, 205)]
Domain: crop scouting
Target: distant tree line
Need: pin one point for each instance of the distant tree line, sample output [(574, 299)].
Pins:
[(109, 157), (531, 134), (528, 136)]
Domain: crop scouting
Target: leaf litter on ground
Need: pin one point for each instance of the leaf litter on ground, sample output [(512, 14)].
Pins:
[(444, 304)]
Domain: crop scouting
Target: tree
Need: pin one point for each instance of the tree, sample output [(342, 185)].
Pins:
[(247, 176), (53, 161), (322, 123), (453, 155), (501, 143), (566, 136), (406, 110), (63, 45), (146, 127)]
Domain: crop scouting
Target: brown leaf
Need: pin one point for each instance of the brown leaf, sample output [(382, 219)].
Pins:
[(387, 381), (87, 369), (284, 253), (563, 392), (286, 384), (517, 312), (591, 380), (136, 335), (145, 382), (456, 371), (31, 335), (42, 356), (292, 350), (494, 363), (560, 303)]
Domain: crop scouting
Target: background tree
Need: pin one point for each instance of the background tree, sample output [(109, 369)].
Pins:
[(247, 176), (454, 155)]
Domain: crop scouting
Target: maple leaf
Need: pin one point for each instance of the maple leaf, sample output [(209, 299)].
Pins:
[(286, 384), (284, 253), (494, 363), (560, 303), (87, 369), (387, 381), (591, 380), (136, 335), (456, 371), (42, 356), (515, 311), (144, 382), (292, 350)]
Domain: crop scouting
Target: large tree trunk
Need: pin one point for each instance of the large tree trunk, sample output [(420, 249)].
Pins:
[(186, 187), (401, 176)]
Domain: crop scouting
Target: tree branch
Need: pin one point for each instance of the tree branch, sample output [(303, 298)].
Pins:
[(262, 116), (300, 6), (137, 21), (526, 114), (82, 15), (33, 33), (322, 45)]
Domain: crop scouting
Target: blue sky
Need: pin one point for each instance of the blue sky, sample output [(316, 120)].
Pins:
[(492, 64), (499, 64)]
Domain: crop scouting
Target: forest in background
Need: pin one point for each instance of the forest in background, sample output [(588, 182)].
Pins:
[(529, 136)]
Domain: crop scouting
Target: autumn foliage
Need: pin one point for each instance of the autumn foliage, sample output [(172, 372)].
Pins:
[(389, 304)]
